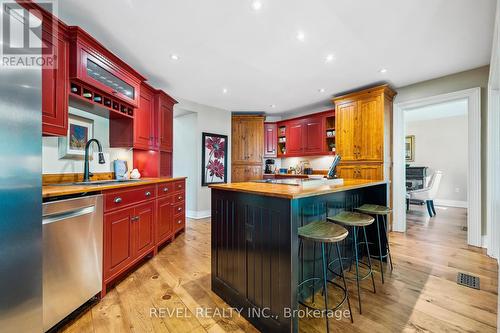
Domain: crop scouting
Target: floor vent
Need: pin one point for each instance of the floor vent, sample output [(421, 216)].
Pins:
[(468, 280)]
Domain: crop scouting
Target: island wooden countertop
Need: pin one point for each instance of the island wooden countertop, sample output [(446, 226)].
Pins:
[(55, 190), (293, 191)]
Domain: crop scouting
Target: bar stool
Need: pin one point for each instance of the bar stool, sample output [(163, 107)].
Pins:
[(357, 220), (323, 232), (381, 211)]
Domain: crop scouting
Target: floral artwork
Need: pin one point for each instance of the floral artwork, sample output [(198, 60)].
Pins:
[(214, 159)]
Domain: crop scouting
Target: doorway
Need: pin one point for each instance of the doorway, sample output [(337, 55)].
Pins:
[(471, 100)]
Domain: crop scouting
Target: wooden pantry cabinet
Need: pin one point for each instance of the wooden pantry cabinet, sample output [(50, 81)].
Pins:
[(363, 132), (247, 147)]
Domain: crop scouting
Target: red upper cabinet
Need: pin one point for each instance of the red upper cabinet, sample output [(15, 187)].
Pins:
[(165, 109), (270, 139), (145, 120), (294, 137), (313, 135), (93, 64)]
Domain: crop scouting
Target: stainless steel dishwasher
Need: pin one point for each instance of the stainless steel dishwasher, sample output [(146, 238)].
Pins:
[(72, 255)]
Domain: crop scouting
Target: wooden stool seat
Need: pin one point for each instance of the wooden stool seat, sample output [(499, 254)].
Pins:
[(322, 231), (374, 209), (352, 219)]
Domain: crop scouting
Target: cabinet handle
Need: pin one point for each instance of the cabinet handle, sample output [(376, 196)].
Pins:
[(179, 186), (179, 197), (118, 200), (179, 209), (179, 222), (165, 189), (148, 193), (135, 218)]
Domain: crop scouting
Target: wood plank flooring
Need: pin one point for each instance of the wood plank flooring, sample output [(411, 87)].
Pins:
[(421, 294)]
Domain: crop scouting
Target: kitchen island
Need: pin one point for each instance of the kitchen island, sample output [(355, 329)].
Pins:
[(255, 263)]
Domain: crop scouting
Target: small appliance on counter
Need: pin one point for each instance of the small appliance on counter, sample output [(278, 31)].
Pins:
[(121, 169), (283, 171), (270, 167)]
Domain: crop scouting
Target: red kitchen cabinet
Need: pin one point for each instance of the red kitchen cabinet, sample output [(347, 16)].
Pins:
[(144, 120), (313, 135), (55, 80), (118, 249), (144, 228), (165, 108), (165, 218), (270, 139), (294, 138), (93, 64)]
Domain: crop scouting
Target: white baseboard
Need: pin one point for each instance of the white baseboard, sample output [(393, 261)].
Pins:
[(198, 214), (450, 203)]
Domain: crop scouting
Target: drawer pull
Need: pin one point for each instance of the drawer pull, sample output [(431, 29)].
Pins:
[(179, 186), (179, 209), (135, 218), (165, 189), (179, 222), (148, 193), (179, 197), (118, 200)]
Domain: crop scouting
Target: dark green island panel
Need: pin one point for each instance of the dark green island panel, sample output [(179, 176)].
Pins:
[(255, 264)]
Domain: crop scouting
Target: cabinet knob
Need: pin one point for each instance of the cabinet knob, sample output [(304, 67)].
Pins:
[(118, 200), (179, 197), (179, 222), (148, 193), (165, 189), (135, 218), (179, 209), (179, 186)]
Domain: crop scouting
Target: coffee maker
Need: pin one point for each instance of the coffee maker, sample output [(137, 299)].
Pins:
[(270, 167)]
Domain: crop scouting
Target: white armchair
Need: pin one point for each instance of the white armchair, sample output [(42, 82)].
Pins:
[(428, 194)]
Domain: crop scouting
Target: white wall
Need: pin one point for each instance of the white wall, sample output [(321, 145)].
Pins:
[(185, 159), (441, 144), (211, 120), (50, 153)]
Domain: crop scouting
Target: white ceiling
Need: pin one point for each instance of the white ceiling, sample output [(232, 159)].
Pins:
[(256, 56), (437, 111)]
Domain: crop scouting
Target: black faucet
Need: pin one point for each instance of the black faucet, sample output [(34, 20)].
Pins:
[(86, 173)]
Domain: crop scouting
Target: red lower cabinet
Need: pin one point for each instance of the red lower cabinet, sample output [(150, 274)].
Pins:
[(118, 251), (164, 221), (143, 224)]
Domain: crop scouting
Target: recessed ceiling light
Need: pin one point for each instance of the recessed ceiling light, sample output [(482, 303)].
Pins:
[(321, 90), (273, 106), (174, 57), (301, 36), (224, 90), (256, 5), (383, 70), (329, 58), (25, 86)]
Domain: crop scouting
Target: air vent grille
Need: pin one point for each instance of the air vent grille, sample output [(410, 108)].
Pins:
[(468, 280)]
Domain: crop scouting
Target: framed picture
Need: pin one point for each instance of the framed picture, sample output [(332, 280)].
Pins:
[(410, 148), (80, 130), (213, 159)]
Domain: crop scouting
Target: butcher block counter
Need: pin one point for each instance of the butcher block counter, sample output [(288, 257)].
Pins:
[(255, 246)]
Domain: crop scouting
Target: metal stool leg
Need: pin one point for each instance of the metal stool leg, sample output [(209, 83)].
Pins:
[(323, 258), (380, 249), (387, 240), (369, 260), (343, 279), (357, 265)]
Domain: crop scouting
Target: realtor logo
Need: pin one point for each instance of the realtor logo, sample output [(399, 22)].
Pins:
[(24, 42)]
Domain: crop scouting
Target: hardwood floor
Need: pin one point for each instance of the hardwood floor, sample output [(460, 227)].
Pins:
[(421, 295)]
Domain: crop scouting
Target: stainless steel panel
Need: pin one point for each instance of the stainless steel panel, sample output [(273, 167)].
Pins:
[(72, 255), (20, 199)]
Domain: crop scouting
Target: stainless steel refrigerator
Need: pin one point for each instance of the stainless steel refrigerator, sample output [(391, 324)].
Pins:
[(20, 199)]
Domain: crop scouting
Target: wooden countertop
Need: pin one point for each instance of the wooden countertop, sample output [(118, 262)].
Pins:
[(55, 190), (294, 192)]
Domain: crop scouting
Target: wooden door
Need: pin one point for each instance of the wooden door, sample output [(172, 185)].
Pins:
[(118, 250), (294, 138), (254, 139), (253, 172), (347, 171), (143, 228), (371, 171), (55, 83), (143, 119), (313, 135), (238, 149), (165, 111), (270, 139), (346, 118), (238, 173), (371, 129)]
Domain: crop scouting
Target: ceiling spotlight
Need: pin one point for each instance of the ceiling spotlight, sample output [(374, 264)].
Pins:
[(321, 90), (224, 90), (256, 5), (174, 57), (301, 36), (329, 58), (273, 106), (383, 70)]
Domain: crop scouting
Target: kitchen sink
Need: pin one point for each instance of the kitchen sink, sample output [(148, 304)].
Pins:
[(100, 182)]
